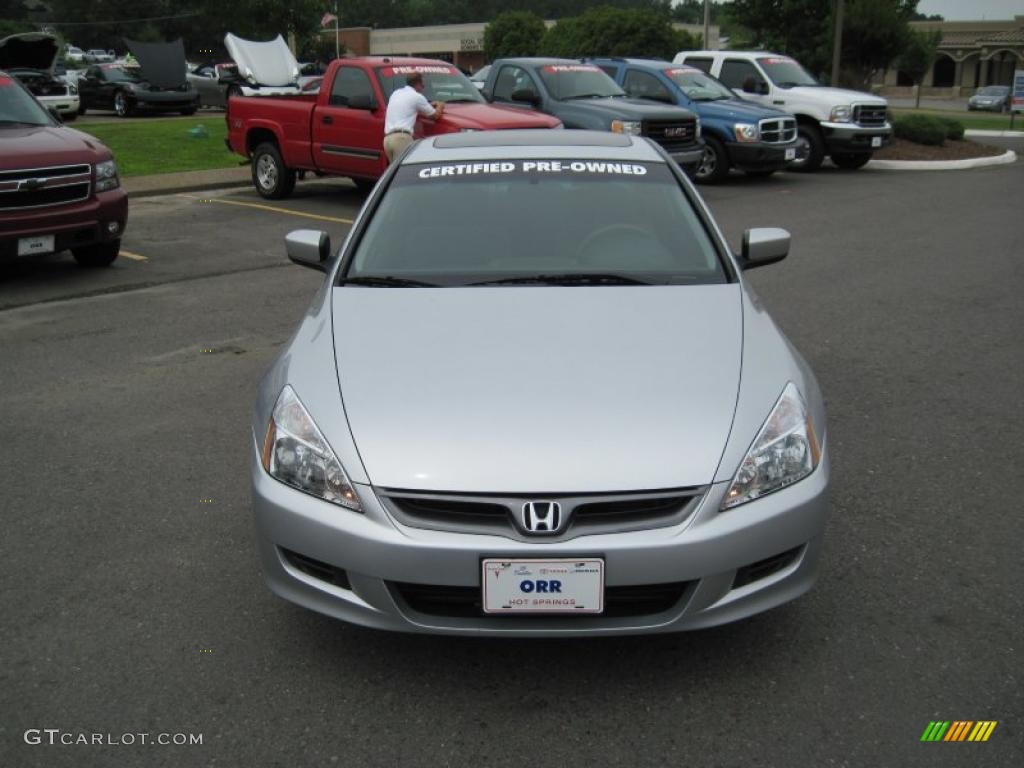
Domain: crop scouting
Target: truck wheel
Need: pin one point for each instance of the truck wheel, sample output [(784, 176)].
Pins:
[(810, 149), (271, 178), (850, 161), (714, 166), (101, 255)]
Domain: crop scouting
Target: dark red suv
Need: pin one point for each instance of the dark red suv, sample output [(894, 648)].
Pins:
[(59, 188)]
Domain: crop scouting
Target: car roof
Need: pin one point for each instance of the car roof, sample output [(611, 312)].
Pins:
[(401, 61), (516, 144), (538, 61), (732, 53)]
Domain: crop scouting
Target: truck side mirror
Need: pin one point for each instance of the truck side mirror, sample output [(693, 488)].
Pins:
[(765, 245), (308, 248), (526, 95)]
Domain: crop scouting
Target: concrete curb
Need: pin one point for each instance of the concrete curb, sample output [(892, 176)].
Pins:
[(1008, 134), (173, 189), (942, 165)]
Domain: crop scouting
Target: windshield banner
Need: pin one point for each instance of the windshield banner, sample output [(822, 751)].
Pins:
[(591, 167), (423, 69), (571, 68)]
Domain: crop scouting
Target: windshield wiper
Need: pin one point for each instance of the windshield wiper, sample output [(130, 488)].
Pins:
[(386, 282), (462, 101), (590, 96), (570, 278)]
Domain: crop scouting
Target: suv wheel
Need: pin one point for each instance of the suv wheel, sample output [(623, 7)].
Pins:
[(714, 165), (101, 255), (272, 179), (810, 149), (850, 161)]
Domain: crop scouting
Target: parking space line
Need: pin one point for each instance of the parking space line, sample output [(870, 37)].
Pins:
[(261, 207), (132, 256)]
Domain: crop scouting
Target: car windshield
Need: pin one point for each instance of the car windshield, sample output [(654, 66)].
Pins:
[(786, 73), (577, 81), (994, 90), (440, 82), (698, 85), (119, 75), (534, 222), (17, 107)]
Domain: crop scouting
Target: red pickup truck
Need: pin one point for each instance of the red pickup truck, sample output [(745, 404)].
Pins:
[(340, 130)]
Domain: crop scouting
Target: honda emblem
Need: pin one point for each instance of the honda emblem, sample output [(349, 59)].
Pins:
[(542, 516)]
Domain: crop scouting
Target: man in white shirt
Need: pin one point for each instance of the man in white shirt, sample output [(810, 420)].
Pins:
[(403, 107)]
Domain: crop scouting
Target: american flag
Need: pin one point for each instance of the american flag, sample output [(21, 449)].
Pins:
[(327, 19)]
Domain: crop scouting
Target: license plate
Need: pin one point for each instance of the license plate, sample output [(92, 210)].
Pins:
[(876, 141), (562, 585), (30, 245), (791, 153)]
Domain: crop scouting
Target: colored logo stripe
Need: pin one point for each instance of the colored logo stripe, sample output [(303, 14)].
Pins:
[(959, 730)]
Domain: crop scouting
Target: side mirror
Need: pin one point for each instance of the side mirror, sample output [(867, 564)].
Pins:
[(526, 95), (309, 248), (765, 245), (363, 101)]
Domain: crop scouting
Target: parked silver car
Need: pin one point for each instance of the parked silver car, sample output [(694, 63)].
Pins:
[(991, 98), (535, 396)]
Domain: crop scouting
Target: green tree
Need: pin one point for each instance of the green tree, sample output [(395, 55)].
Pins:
[(515, 33), (609, 31), (875, 33), (917, 58), (563, 39)]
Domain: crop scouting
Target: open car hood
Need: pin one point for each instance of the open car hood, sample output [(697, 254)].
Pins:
[(31, 50), (163, 64), (270, 63)]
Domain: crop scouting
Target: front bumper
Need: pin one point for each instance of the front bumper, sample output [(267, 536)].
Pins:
[(759, 156), (704, 553), (65, 105), (73, 225), (850, 137), (690, 157), (164, 101)]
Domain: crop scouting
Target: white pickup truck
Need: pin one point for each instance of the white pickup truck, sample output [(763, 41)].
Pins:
[(845, 125)]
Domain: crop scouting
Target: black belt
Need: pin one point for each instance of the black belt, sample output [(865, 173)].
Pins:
[(409, 133)]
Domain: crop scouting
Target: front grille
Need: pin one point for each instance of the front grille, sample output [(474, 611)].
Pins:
[(778, 130), (670, 132), (41, 187), (762, 569), (317, 569), (870, 115), (502, 515), (467, 602)]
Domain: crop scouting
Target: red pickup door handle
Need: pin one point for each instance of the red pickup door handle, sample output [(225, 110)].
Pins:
[(328, 120)]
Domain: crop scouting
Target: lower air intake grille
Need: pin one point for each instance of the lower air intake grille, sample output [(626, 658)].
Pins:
[(762, 569), (318, 570)]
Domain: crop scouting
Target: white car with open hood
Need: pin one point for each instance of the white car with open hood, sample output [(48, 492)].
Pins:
[(266, 68), (32, 58)]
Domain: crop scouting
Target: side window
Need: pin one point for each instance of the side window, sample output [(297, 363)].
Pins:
[(93, 73), (610, 70), (510, 80), (643, 85), (740, 75), (701, 63), (348, 83)]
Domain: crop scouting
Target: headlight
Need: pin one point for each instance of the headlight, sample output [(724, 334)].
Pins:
[(106, 176), (72, 89), (785, 450), (296, 453), (631, 127), (841, 114), (746, 132)]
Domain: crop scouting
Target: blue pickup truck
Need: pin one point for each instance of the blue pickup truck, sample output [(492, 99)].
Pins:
[(737, 133), (582, 96)]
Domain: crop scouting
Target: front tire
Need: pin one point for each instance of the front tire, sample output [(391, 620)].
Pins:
[(100, 255), (810, 149), (850, 161), (714, 165), (272, 179), (121, 105)]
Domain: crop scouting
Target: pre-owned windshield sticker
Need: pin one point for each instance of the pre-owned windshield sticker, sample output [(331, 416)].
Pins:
[(682, 71), (777, 61), (571, 68), (423, 69), (572, 167), (4, 80)]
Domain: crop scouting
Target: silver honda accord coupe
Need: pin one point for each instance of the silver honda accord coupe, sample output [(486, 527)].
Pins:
[(536, 396)]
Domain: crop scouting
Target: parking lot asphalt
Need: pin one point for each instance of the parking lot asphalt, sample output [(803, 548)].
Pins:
[(133, 600)]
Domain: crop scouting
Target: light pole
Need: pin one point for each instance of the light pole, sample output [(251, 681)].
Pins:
[(707, 24), (837, 43)]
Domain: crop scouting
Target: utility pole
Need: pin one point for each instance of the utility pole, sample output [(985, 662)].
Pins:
[(707, 24), (837, 43), (337, 44)]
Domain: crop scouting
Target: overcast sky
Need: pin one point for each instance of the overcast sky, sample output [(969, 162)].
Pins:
[(961, 10)]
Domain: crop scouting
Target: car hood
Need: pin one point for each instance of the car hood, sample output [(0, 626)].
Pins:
[(32, 50), (44, 146), (488, 116), (539, 389), (836, 96), (162, 64), (735, 109), (633, 109), (269, 63)]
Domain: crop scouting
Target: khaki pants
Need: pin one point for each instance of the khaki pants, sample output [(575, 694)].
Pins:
[(394, 143)]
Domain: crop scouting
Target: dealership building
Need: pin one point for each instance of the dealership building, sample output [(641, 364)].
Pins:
[(461, 44)]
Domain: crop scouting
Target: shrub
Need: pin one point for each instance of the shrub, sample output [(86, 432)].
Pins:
[(920, 129), (954, 128)]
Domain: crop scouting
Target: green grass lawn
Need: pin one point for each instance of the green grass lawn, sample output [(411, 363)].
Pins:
[(148, 146), (983, 121)]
